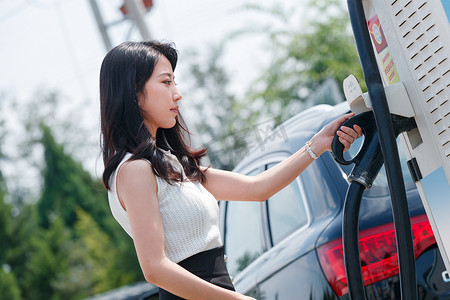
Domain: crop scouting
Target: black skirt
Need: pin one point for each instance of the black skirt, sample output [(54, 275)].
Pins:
[(208, 265)]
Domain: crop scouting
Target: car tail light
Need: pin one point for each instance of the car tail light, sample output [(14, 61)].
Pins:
[(378, 251)]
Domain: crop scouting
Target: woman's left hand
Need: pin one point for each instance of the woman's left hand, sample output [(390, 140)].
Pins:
[(322, 140)]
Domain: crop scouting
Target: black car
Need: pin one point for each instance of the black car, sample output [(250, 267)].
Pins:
[(290, 246)]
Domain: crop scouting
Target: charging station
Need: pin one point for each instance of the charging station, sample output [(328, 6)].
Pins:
[(409, 43), (411, 40)]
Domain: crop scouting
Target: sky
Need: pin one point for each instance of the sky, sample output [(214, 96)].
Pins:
[(55, 45)]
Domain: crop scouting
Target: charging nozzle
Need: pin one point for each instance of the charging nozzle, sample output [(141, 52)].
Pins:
[(369, 160)]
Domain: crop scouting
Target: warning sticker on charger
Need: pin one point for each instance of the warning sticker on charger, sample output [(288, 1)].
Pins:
[(382, 49)]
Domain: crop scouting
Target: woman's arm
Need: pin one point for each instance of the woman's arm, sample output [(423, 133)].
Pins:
[(137, 189), (226, 185)]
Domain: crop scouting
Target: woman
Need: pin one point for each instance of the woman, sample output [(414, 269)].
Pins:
[(157, 189)]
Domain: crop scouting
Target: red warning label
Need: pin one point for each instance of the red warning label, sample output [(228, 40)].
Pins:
[(377, 34)]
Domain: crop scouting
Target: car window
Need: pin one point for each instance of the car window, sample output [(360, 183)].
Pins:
[(243, 233), (286, 211), (380, 185)]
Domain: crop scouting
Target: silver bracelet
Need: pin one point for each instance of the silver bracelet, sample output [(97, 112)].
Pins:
[(313, 155)]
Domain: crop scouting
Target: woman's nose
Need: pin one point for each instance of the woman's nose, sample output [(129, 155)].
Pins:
[(177, 95)]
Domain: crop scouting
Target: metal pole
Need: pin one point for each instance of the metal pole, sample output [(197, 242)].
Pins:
[(137, 12), (101, 25)]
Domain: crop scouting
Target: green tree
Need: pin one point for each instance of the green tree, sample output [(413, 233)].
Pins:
[(305, 65), (9, 289), (20, 248), (70, 193), (100, 255), (91, 262), (43, 255), (5, 209), (5, 220), (226, 126), (67, 186), (210, 96), (304, 56), (48, 259)]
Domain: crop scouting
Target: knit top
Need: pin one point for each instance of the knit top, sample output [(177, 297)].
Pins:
[(189, 213)]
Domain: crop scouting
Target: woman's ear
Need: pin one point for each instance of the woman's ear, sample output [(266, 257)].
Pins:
[(138, 98)]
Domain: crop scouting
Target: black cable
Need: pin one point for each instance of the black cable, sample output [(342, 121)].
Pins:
[(350, 240), (408, 281), (368, 163)]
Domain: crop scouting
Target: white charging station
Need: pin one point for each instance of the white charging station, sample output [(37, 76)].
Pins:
[(411, 40)]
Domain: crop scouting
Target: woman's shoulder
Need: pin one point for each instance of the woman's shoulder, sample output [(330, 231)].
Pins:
[(136, 176), (136, 167)]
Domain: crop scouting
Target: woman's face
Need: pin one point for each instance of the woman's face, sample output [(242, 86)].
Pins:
[(158, 100)]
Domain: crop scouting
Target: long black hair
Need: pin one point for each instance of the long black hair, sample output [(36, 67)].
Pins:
[(123, 74)]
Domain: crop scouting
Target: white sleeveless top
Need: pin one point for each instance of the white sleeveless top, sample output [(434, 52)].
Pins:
[(189, 213)]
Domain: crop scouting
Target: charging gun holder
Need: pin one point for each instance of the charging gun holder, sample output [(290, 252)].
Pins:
[(369, 159)]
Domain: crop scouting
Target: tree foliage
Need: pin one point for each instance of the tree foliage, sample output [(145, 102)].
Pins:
[(97, 246), (305, 65), (303, 56), (9, 289), (19, 248), (47, 261), (66, 244), (67, 186), (101, 263), (5, 219), (211, 98)]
